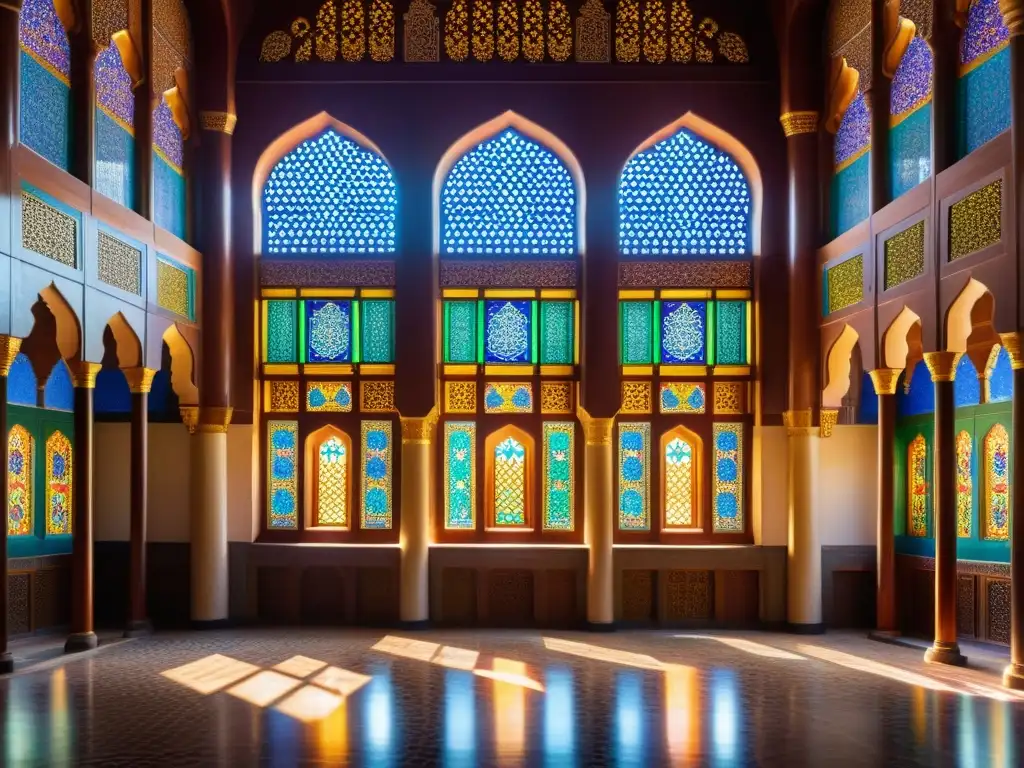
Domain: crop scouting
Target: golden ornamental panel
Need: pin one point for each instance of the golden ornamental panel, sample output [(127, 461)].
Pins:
[(593, 33), (172, 288), (730, 397), (904, 255), (284, 396), (556, 397), (118, 264), (421, 32), (460, 397), (377, 396), (845, 282), (636, 397), (976, 221), (48, 231)]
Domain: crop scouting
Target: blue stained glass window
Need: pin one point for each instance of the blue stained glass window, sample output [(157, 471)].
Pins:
[(376, 475), (558, 475), (282, 474), (329, 331), (919, 397), (1000, 380), (115, 134), (984, 88), (509, 196), (910, 132), (848, 202), (634, 477), (45, 82), (330, 195), (727, 486), (21, 382), (112, 394), (683, 196), (460, 475), (509, 327), (966, 387), (168, 172), (683, 331), (59, 393), (868, 413)]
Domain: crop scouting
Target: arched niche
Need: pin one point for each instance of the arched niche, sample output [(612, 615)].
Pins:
[(499, 469), (839, 368), (336, 466)]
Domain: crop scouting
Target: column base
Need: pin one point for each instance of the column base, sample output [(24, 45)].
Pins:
[(6, 663), (1013, 677), (603, 626), (81, 641), (945, 653), (805, 629), (211, 624), (138, 628)]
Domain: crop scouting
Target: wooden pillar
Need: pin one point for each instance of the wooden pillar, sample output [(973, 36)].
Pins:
[(414, 526), (143, 116), (944, 650), (945, 44), (10, 60), (9, 346), (885, 381), (82, 637), (878, 98), (599, 522), (83, 95), (140, 380)]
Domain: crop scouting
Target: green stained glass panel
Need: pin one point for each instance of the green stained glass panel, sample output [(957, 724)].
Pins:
[(282, 332), (731, 333), (556, 333), (462, 318), (378, 331), (558, 475), (637, 334)]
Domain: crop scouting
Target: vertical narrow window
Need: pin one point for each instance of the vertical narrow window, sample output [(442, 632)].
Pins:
[(377, 323), (460, 475), (910, 121), (559, 475), (59, 466), (168, 171), (283, 474), (376, 496), (281, 342), (680, 477), (332, 481), (115, 121), (727, 494), (917, 487), (509, 467), (557, 332), (848, 200), (19, 482), (997, 484), (634, 477), (45, 82), (460, 332), (636, 329), (984, 85), (964, 484)]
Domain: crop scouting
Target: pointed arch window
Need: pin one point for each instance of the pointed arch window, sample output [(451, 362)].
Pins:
[(984, 86), (115, 118), (997, 484), (20, 462), (848, 203), (910, 110), (917, 487), (681, 453), (45, 82), (329, 457), (964, 484), (59, 473), (509, 474)]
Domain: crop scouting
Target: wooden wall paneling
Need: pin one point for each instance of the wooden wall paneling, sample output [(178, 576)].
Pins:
[(966, 587)]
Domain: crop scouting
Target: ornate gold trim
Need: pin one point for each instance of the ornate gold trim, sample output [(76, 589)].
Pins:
[(885, 380), (214, 420), (140, 380), (9, 348), (83, 374), (799, 122), (942, 365), (418, 430), (1013, 16), (829, 419), (189, 417), (598, 431), (222, 122), (1011, 342)]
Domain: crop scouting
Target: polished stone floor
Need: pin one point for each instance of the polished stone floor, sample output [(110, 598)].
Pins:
[(518, 698)]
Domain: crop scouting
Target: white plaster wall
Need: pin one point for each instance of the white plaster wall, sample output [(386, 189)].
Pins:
[(847, 486), (773, 484), (243, 479)]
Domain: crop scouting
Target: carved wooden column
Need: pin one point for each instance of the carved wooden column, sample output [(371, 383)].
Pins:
[(139, 380), (10, 53), (945, 649), (885, 381), (599, 516), (414, 527), (877, 95), (9, 346), (945, 44), (143, 116), (82, 637), (83, 94)]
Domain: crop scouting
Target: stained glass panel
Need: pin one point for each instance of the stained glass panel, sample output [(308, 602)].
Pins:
[(910, 141), (997, 484), (20, 457), (509, 483), (727, 491), (683, 196), (115, 133), (964, 484), (848, 203), (332, 483), (59, 470), (461, 332), (731, 333), (634, 476), (557, 325), (168, 173), (559, 475), (282, 474), (917, 487), (682, 397), (45, 82), (378, 331), (508, 397), (984, 86), (282, 332), (460, 474), (683, 331), (999, 387), (328, 331), (21, 382), (507, 196), (637, 332), (680, 481), (329, 396), (509, 327), (330, 195), (376, 497), (59, 393), (966, 386)]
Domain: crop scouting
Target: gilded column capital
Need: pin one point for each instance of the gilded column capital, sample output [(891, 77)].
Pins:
[(799, 122), (221, 122), (189, 417), (83, 374), (885, 380), (214, 420), (140, 380), (418, 430), (829, 419), (1011, 342), (9, 348), (942, 365), (799, 422), (1013, 15), (598, 431)]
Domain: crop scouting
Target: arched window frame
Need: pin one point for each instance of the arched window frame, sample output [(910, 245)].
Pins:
[(21, 482), (692, 439), (964, 444), (494, 439), (996, 484), (313, 443), (984, 22), (59, 484)]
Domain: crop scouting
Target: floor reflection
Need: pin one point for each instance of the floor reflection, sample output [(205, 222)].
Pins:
[(512, 699)]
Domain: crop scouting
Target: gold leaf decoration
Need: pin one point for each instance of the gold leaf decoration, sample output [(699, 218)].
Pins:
[(655, 44), (533, 31), (627, 31), (327, 32), (508, 30), (382, 30), (559, 31), (456, 31), (353, 32), (483, 30)]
